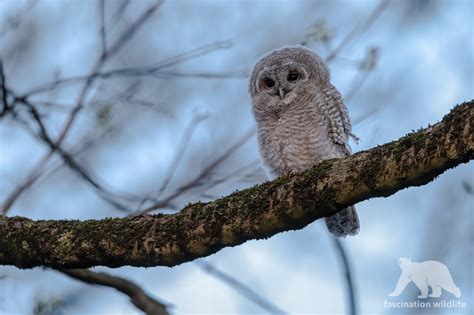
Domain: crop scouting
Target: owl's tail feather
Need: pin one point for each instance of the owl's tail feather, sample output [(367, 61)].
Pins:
[(343, 223)]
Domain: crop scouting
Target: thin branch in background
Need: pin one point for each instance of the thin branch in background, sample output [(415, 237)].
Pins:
[(204, 174), (348, 61), (3, 90), (467, 186), (68, 160), (187, 134), (148, 70), (366, 67), (319, 32), (12, 22), (36, 171), (242, 289), (247, 170), (39, 171), (359, 29), (103, 35), (356, 85), (59, 107), (238, 74), (127, 97), (83, 146), (34, 174), (368, 114), (120, 12), (115, 47), (132, 29), (146, 103), (183, 144), (341, 252), (138, 297), (200, 51), (10, 200)]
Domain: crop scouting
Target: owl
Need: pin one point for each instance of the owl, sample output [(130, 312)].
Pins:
[(301, 119)]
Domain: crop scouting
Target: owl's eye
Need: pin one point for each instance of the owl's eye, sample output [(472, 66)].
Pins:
[(269, 82), (292, 76)]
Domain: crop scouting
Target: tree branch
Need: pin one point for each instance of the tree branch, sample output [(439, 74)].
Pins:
[(287, 203), (137, 296)]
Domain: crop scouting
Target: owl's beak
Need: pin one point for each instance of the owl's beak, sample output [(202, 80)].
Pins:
[(282, 92)]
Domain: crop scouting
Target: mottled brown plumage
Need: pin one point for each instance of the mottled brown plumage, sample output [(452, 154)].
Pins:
[(301, 119)]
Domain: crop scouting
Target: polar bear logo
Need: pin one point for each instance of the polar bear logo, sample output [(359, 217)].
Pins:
[(423, 274)]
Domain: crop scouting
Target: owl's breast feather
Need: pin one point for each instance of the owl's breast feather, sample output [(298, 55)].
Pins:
[(288, 144)]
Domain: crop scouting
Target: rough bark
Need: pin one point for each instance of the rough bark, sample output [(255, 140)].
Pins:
[(287, 203)]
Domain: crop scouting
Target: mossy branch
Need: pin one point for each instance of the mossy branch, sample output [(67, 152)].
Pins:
[(287, 203)]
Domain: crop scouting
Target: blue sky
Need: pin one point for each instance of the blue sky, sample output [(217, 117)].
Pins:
[(423, 68)]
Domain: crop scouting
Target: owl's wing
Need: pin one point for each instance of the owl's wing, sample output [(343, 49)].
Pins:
[(338, 118)]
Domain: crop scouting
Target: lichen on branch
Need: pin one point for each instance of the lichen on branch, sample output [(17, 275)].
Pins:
[(287, 203)]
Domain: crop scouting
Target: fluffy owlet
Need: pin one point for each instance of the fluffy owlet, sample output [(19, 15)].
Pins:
[(301, 119)]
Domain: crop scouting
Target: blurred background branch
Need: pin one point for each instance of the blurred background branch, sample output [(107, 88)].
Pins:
[(138, 297), (242, 289)]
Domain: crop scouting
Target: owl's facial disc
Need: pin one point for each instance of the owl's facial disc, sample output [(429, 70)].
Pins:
[(280, 80)]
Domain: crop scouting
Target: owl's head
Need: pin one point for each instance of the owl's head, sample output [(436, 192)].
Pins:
[(286, 77)]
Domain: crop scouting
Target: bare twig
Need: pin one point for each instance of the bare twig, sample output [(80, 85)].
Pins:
[(242, 289), (356, 85), (235, 174), (341, 252), (154, 69), (39, 170), (120, 11), (3, 90), (36, 171), (115, 47), (32, 177), (103, 35), (205, 173), (239, 74), (131, 30), (187, 134), (359, 29), (366, 66), (138, 297), (68, 159)]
